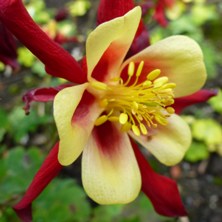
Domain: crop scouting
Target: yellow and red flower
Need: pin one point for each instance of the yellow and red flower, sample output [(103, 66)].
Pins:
[(126, 98), (117, 101), (160, 9)]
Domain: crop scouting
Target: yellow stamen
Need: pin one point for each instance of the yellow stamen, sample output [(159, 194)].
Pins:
[(113, 118), (102, 119), (170, 110), (160, 119), (123, 117), (131, 69), (143, 129), (169, 86), (154, 74), (136, 105), (139, 69), (103, 103), (160, 81), (136, 130), (99, 85), (126, 127), (147, 83)]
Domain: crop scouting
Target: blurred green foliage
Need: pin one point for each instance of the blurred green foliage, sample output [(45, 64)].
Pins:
[(78, 8), (195, 19), (63, 199), (216, 102), (200, 19)]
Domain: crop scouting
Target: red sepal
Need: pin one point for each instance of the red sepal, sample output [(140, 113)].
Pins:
[(162, 191), (58, 62), (61, 39), (160, 11), (108, 10), (49, 169), (41, 95), (8, 53), (198, 97)]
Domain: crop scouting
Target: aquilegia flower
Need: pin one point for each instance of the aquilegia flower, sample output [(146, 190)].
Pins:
[(121, 99), (112, 103), (160, 9)]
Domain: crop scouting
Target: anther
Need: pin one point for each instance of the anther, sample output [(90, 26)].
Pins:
[(154, 74), (143, 129), (139, 69), (147, 83), (160, 81), (136, 130), (169, 86), (123, 118), (135, 105), (113, 118), (163, 121), (170, 110), (102, 119), (131, 69), (169, 102)]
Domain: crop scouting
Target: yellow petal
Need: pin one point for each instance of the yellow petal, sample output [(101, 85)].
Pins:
[(110, 173), (179, 58), (73, 135), (112, 40), (168, 143)]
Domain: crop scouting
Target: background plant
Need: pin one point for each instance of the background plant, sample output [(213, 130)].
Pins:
[(25, 140)]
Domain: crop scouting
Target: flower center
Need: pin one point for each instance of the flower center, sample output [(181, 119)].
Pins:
[(136, 106)]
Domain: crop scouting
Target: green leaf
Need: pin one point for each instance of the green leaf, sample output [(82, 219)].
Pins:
[(210, 58), (14, 165), (3, 118), (2, 66), (197, 151), (201, 13), (38, 68), (207, 130), (210, 132), (67, 28), (38, 11), (3, 123), (21, 124), (109, 212), (216, 102), (25, 57), (62, 200), (79, 7)]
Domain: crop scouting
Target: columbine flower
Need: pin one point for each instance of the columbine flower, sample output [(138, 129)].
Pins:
[(160, 7), (132, 98), (159, 14), (115, 99)]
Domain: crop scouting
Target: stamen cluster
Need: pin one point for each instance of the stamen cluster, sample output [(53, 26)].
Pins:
[(137, 106)]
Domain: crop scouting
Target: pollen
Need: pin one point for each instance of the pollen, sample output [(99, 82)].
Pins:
[(138, 103), (123, 117)]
